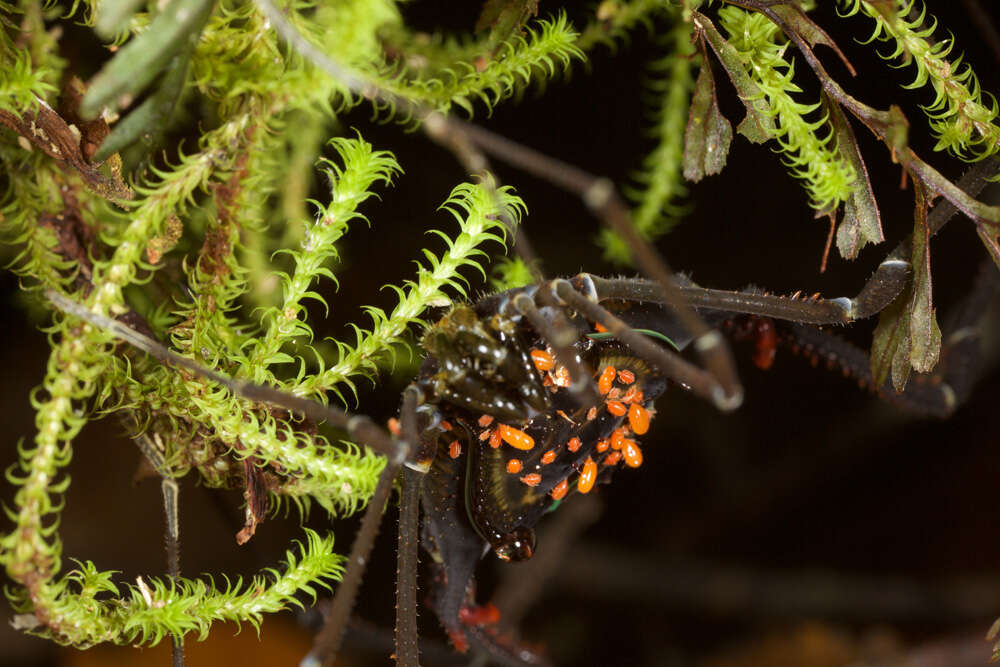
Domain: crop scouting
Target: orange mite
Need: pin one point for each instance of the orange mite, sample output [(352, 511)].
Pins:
[(617, 408), (573, 444), (633, 455), (588, 476), (446, 425), (516, 438), (543, 360), (613, 458), (485, 420), (638, 418), (513, 466), (532, 479), (600, 327), (602, 445), (626, 376), (548, 457), (630, 395), (592, 414), (485, 435), (480, 615), (455, 449), (607, 378), (559, 490), (766, 341), (393, 425), (495, 438), (617, 438)]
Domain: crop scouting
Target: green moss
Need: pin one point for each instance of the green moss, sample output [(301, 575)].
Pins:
[(224, 256)]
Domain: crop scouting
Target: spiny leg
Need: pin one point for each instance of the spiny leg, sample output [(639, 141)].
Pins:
[(935, 395), (327, 643), (600, 195), (407, 648)]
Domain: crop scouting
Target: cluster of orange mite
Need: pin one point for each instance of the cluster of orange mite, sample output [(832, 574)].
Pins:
[(619, 402), (623, 401)]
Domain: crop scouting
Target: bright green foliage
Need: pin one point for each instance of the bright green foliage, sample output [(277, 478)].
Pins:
[(220, 251), (962, 122), (156, 608), (23, 85), (350, 186), (511, 272), (539, 56), (207, 218), (807, 146)]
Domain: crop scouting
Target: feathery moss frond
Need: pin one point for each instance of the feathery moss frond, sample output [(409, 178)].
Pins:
[(478, 211), (155, 608), (23, 86), (541, 55), (958, 116), (350, 185), (808, 147), (510, 272)]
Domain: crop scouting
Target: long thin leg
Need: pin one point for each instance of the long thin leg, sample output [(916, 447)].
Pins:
[(937, 394), (407, 648), (327, 642), (601, 197), (171, 492)]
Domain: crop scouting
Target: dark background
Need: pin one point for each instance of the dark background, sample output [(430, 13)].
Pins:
[(815, 526)]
